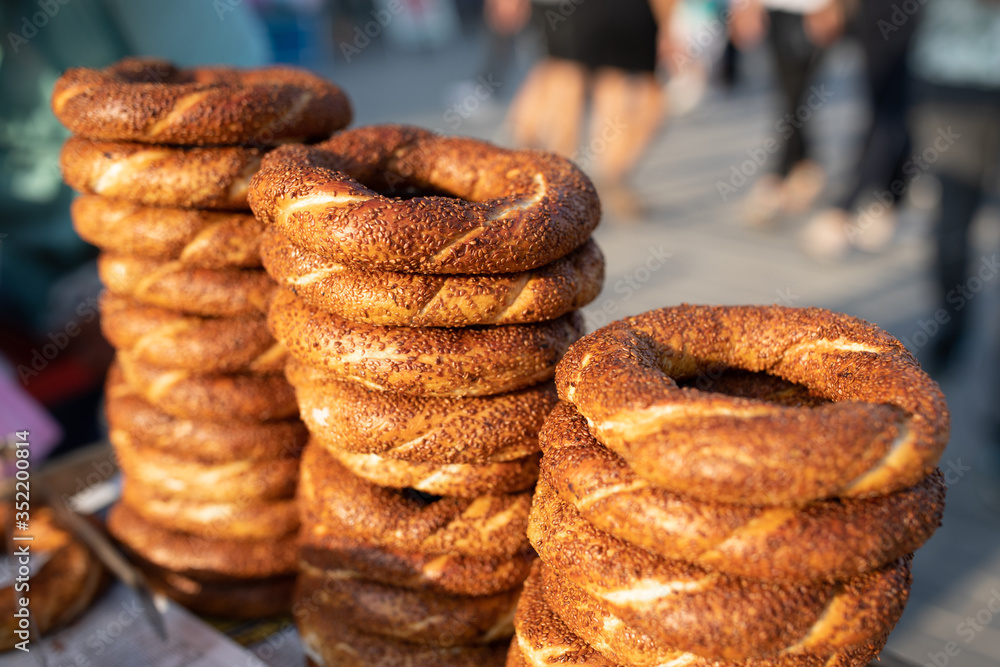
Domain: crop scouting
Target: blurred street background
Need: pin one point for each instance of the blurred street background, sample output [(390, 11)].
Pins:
[(779, 152)]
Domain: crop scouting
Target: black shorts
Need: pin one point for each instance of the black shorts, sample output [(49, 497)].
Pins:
[(600, 33)]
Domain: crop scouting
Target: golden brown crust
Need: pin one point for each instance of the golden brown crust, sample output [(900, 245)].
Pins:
[(247, 518), (330, 642), (241, 600), (212, 178), (167, 475), (709, 613), (474, 361), (489, 525), (199, 440), (154, 101), (506, 211), (60, 590), (883, 432), (447, 574), (195, 238), (421, 429), (213, 396), (202, 558), (406, 614), (463, 480), (825, 540), (387, 298), (165, 337), (172, 285)]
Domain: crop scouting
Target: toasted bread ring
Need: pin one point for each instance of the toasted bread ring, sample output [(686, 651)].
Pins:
[(213, 178), (475, 361), (825, 540), (172, 285), (884, 430), (388, 298), (420, 429), (164, 337), (506, 211), (411, 615), (154, 101), (195, 238), (489, 525), (709, 613)]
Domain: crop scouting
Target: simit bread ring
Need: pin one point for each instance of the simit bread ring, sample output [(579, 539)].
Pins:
[(218, 396), (172, 285), (490, 525), (199, 441), (197, 239), (66, 582), (329, 642), (463, 480), (201, 558), (596, 638), (885, 430), (410, 615), (388, 298), (472, 361), (709, 613), (826, 540), (213, 178), (236, 599), (499, 211), (421, 429), (154, 101), (167, 338), (246, 518), (323, 548), (166, 474)]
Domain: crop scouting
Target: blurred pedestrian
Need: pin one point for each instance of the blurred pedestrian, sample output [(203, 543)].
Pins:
[(956, 59), (866, 216), (798, 33), (607, 52)]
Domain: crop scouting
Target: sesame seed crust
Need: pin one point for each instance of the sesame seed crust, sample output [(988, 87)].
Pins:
[(882, 427), (153, 101), (502, 211)]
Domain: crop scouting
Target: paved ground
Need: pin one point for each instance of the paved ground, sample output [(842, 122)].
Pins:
[(715, 260)]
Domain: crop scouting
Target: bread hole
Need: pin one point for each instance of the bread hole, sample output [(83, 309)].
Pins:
[(746, 384), (406, 190), (424, 499)]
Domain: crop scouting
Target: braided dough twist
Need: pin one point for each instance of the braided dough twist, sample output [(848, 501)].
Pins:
[(172, 285), (167, 338), (416, 616), (474, 361), (421, 429), (195, 238), (388, 298), (709, 613), (501, 211), (490, 525), (825, 540), (212, 178), (154, 101), (884, 430)]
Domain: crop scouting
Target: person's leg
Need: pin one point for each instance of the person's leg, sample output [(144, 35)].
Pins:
[(795, 60), (548, 109), (627, 111)]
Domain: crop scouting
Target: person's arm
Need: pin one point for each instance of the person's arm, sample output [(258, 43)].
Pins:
[(826, 25)]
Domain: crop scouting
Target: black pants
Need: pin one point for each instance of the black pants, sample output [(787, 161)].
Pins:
[(795, 59)]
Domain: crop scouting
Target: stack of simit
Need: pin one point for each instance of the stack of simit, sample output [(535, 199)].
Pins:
[(730, 486), (201, 418), (431, 287)]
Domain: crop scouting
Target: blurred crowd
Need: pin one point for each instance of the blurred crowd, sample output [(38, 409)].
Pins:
[(931, 78)]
